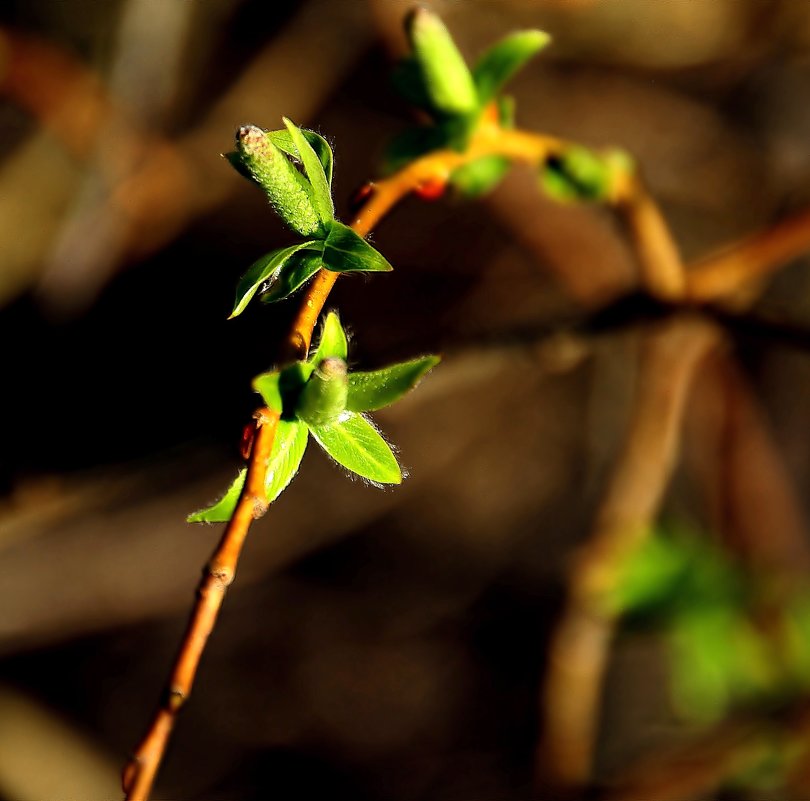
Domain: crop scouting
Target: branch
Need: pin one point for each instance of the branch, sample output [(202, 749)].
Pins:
[(580, 646), (661, 270), (139, 774), (748, 487), (724, 272)]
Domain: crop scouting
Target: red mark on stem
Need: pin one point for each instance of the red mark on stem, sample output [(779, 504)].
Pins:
[(248, 434), (430, 190), (361, 196)]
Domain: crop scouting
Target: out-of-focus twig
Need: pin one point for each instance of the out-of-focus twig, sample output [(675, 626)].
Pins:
[(580, 646), (660, 266), (729, 269), (687, 771), (752, 500)]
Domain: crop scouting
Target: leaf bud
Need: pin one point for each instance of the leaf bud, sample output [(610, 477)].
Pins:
[(285, 186), (448, 81), (323, 398)]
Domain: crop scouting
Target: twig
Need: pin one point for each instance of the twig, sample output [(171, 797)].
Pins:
[(661, 269), (140, 772), (580, 646), (689, 770), (750, 492), (729, 269), (218, 575)]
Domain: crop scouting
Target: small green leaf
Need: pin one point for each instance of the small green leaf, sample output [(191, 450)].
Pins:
[(379, 388), (294, 273), (261, 271), (498, 64), (346, 251), (280, 389), (321, 193), (289, 444), (354, 443), (323, 398), (268, 385), (283, 141), (333, 343), (222, 510), (447, 79), (480, 176), (286, 188), (285, 458)]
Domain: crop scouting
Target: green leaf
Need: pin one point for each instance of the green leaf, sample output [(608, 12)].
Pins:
[(285, 458), (286, 188), (498, 64), (354, 443), (333, 343), (294, 273), (283, 141), (346, 251), (447, 79), (719, 659), (262, 270), (673, 574), (268, 385), (222, 510), (321, 193), (480, 176), (378, 388), (289, 444), (280, 389)]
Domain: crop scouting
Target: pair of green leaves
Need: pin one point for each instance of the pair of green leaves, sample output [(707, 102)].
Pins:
[(319, 397), (303, 199), (436, 79)]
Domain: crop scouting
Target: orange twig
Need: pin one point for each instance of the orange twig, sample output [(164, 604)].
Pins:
[(139, 774)]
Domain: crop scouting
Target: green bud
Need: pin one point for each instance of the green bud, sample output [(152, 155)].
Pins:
[(288, 190), (448, 81), (323, 398)]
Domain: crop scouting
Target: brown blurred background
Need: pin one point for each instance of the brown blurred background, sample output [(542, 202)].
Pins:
[(380, 645)]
